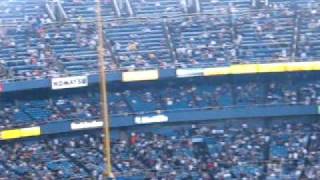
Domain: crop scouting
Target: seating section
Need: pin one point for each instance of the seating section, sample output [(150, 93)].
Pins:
[(293, 152), (227, 32), (75, 48), (272, 149), (79, 10), (261, 35), (139, 45), (46, 161), (18, 11), (85, 10), (308, 47), (24, 53), (149, 8), (154, 97), (204, 40), (223, 6)]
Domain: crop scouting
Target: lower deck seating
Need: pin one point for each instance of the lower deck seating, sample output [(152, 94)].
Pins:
[(235, 149)]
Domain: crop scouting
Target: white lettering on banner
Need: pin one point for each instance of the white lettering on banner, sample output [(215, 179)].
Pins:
[(150, 119), (189, 72), (86, 125), (69, 82), (197, 139)]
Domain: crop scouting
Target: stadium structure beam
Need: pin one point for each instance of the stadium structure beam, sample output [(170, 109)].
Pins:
[(103, 94)]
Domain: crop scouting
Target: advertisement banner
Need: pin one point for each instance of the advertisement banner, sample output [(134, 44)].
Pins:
[(150, 119), (69, 82), (189, 72), (140, 75), (32, 131), (299, 66), (274, 67), (315, 65), (244, 69), (20, 133), (216, 71), (10, 134), (86, 125)]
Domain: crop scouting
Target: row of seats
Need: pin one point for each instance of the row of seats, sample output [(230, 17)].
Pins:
[(34, 49), (156, 97), (142, 43), (278, 149)]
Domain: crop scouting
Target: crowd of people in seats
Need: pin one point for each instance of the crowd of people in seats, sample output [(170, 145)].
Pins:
[(36, 47), (235, 149), (158, 97)]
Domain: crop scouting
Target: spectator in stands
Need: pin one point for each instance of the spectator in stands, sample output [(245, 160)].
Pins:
[(284, 150), (171, 96)]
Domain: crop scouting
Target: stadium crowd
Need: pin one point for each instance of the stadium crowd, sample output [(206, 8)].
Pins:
[(157, 97), (274, 149), (35, 47)]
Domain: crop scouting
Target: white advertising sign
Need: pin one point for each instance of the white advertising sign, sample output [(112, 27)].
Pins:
[(69, 82), (150, 119), (189, 72), (86, 125)]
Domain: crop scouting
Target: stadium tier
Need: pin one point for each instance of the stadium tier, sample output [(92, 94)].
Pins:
[(252, 149), (220, 33), (156, 97)]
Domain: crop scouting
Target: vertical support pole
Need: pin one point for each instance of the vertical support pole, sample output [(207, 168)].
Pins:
[(103, 94)]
